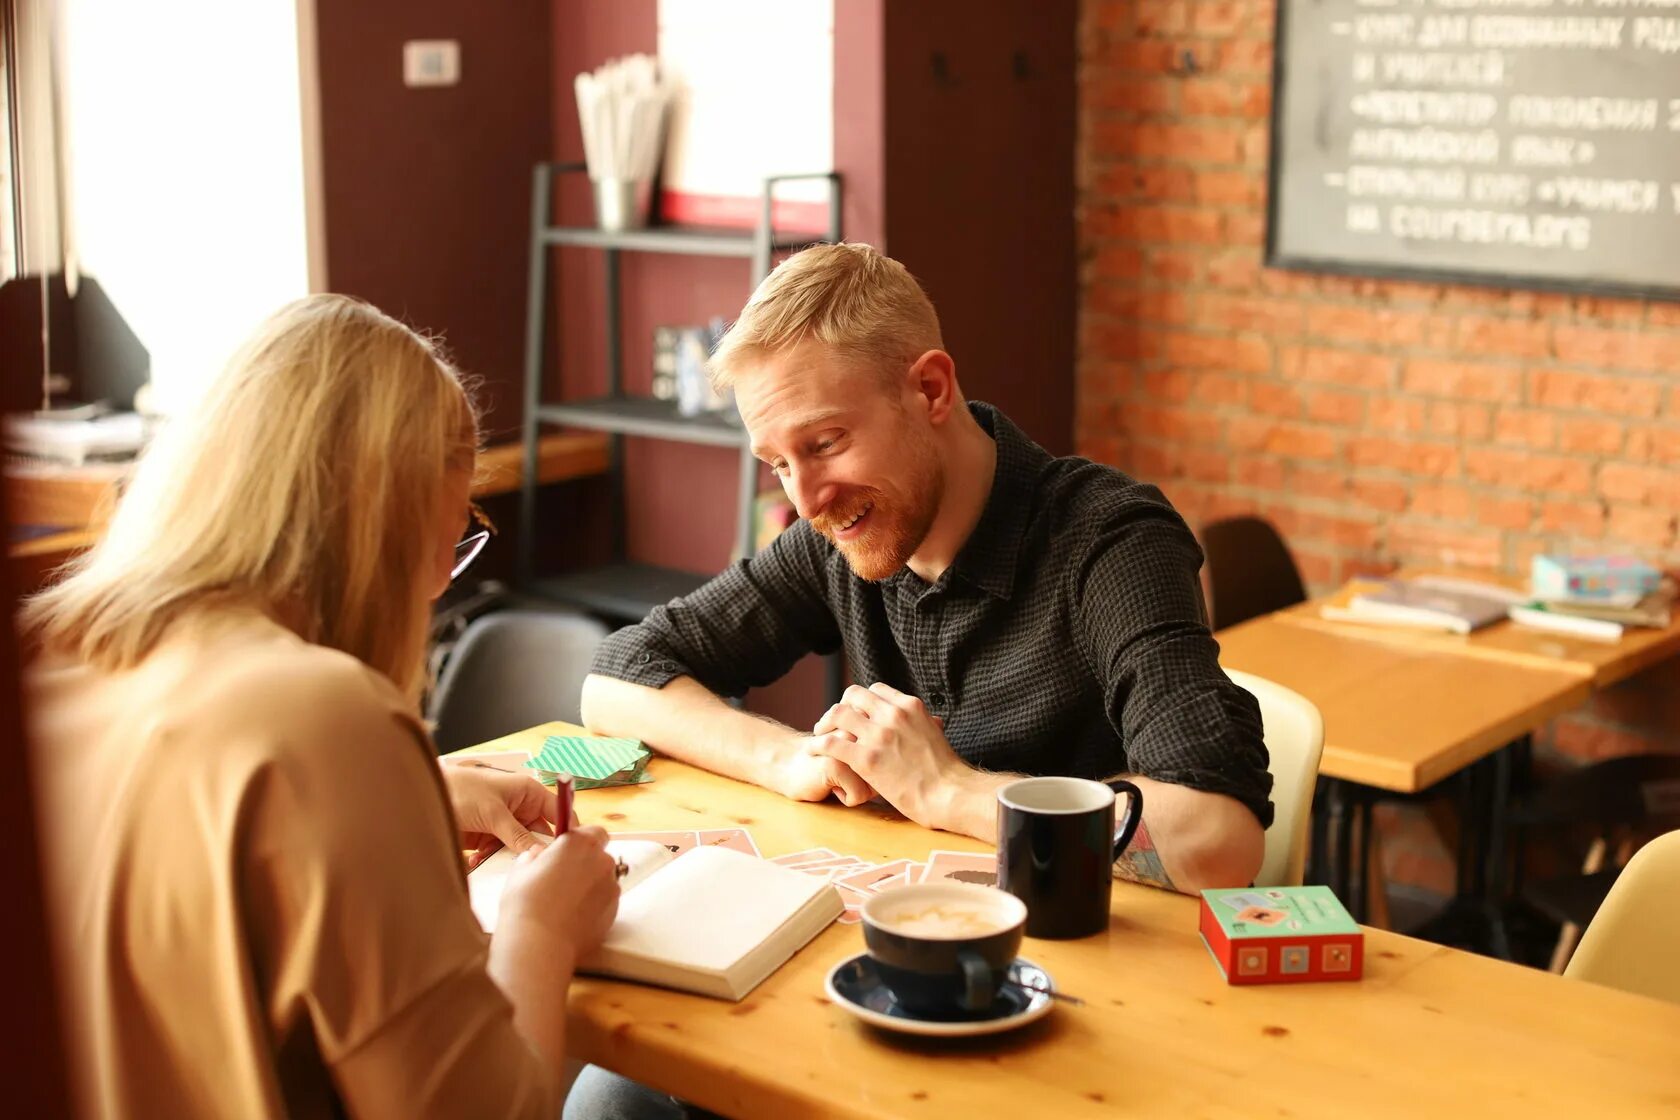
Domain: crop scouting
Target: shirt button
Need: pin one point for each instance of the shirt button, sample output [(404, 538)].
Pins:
[(937, 699), (646, 657)]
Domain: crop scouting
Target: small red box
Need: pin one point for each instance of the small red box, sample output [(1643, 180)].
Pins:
[(1281, 935)]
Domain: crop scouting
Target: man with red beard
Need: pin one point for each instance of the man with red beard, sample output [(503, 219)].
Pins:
[(1004, 612)]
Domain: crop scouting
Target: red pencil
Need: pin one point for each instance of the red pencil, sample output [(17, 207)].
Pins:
[(563, 792)]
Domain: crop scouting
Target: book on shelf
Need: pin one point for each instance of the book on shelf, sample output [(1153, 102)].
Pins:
[(712, 921), (1420, 606)]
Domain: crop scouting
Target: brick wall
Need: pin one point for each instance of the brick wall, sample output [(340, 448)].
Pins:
[(1376, 422)]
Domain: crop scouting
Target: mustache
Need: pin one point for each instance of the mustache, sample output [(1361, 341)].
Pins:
[(840, 512)]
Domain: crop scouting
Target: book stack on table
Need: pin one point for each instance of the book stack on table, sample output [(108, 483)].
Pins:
[(1596, 597)]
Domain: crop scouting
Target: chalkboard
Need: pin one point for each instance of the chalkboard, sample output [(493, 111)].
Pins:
[(1531, 143)]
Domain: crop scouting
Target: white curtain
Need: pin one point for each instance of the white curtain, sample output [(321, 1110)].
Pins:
[(183, 147)]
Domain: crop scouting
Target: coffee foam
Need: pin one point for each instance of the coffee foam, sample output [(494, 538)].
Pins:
[(943, 919)]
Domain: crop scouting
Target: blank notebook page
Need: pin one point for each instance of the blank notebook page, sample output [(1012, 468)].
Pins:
[(707, 910)]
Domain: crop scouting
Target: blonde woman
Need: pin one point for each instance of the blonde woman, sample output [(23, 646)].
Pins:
[(252, 855)]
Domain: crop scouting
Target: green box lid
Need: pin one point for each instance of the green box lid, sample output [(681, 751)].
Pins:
[(1247, 912)]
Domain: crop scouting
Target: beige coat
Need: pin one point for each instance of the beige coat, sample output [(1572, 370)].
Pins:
[(255, 891)]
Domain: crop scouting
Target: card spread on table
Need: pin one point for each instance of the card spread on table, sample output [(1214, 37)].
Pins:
[(858, 879), (873, 877), (824, 866), (738, 839), (675, 842), (854, 900), (496, 760), (590, 757), (809, 855), (979, 868)]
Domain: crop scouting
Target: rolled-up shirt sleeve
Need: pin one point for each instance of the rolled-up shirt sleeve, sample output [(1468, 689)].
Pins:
[(1138, 601), (742, 629)]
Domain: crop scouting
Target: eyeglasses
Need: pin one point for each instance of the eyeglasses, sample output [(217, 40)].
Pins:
[(473, 543)]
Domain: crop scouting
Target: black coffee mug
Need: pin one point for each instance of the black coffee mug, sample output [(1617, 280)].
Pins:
[(1057, 844), (943, 949)]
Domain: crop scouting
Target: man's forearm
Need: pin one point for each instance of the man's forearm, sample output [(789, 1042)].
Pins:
[(1190, 841), (688, 722), (969, 804)]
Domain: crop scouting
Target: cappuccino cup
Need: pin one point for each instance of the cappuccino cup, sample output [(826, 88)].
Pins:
[(943, 949)]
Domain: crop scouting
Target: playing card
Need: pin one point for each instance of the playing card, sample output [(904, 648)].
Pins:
[(737, 838), (809, 855), (854, 900), (871, 878), (824, 866), (588, 756), (497, 760), (979, 868), (678, 842)]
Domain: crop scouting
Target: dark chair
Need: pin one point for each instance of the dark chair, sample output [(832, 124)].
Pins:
[(1250, 571), (511, 670), (1611, 805)]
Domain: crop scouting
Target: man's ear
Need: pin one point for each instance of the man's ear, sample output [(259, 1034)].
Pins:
[(932, 384)]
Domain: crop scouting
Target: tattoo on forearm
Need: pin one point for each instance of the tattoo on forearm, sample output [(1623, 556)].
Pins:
[(1141, 863)]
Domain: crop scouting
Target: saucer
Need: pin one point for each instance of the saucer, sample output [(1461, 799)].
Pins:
[(855, 985)]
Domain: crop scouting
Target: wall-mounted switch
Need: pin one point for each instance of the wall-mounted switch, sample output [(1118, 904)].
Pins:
[(431, 62)]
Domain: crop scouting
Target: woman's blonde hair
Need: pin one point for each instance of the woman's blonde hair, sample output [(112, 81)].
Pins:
[(305, 484), (850, 297)]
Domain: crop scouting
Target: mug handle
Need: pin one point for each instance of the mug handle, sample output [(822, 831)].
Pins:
[(1134, 813), (978, 990)]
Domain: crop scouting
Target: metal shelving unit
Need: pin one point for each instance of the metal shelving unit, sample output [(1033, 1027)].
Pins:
[(625, 591)]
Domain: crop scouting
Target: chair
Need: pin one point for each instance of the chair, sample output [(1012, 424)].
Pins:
[(1631, 942), (511, 670), (1249, 569), (1294, 740), (1612, 802)]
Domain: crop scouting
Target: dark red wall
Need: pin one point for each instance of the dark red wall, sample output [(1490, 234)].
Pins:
[(963, 170), (31, 1053), (968, 180), (681, 498), (979, 126), (427, 191)]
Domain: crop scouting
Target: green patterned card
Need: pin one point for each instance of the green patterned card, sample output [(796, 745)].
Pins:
[(590, 757)]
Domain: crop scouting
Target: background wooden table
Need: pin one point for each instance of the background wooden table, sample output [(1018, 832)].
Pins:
[(80, 499), (1429, 1031), (1396, 716), (1605, 662)]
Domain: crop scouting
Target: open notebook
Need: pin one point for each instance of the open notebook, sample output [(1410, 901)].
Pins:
[(712, 921)]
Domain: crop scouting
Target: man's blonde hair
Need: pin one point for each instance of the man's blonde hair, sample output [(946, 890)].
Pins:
[(849, 297), (305, 484)]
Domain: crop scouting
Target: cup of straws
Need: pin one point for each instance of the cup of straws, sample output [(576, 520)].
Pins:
[(621, 108)]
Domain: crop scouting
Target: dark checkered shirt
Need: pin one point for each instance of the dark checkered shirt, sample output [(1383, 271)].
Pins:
[(1067, 637)]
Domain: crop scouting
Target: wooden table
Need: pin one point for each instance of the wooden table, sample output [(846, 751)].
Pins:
[(80, 498), (1605, 663), (1397, 716), (1429, 1031)]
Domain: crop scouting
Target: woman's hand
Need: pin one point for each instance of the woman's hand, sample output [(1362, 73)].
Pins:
[(494, 808), (568, 889)]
